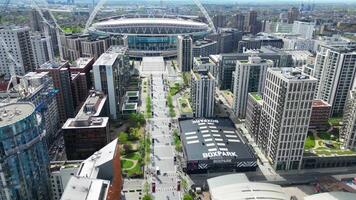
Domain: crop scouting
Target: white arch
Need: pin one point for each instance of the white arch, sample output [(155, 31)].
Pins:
[(102, 2)]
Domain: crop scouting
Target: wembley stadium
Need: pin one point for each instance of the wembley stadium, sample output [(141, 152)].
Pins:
[(147, 36)]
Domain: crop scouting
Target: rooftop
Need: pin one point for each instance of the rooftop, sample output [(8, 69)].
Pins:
[(130, 106), (332, 196), (53, 65), (82, 62), (289, 73), (91, 166), (320, 103), (14, 112), (82, 188), (149, 21), (238, 187), (256, 96), (109, 57), (202, 137)]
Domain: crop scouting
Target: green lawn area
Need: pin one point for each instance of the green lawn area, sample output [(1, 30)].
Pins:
[(184, 105), (132, 156), (257, 96), (335, 121), (309, 142), (73, 29), (173, 89), (126, 164)]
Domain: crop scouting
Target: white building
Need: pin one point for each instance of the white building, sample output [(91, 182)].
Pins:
[(61, 172), (108, 72), (42, 49), (250, 76), (285, 116), (304, 29), (98, 176), (335, 69), (185, 53), (238, 187), (348, 131), (300, 58), (18, 43), (202, 93), (205, 63)]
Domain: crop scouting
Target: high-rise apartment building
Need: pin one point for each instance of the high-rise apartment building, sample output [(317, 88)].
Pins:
[(219, 21), (348, 130), (293, 14), (94, 47), (202, 93), (59, 71), (42, 49), (250, 76), (227, 39), (89, 130), (253, 114), (335, 69), (185, 53), (238, 21), (204, 48), (110, 74), (304, 29), (24, 165), (18, 42), (285, 116), (252, 25)]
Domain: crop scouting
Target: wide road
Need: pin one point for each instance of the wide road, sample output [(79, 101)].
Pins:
[(162, 154)]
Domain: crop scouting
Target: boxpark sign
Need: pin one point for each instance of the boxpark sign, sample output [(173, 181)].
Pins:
[(214, 154)]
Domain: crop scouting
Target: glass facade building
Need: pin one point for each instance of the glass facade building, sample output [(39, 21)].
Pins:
[(24, 173)]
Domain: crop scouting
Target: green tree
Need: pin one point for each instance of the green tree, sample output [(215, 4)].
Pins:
[(137, 119), (134, 134), (147, 197), (123, 137), (187, 197)]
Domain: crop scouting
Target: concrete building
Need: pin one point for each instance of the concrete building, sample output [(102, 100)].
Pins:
[(253, 114), (256, 42), (285, 116), (219, 20), (204, 48), (304, 29), (24, 165), (61, 172), (203, 93), (59, 72), (42, 49), (301, 58), (18, 42), (293, 14), (227, 63), (205, 63), (185, 53), (252, 25), (98, 177), (110, 72), (319, 115), (84, 65), (227, 39), (237, 186), (348, 130), (89, 130), (335, 70), (250, 76), (79, 89), (38, 89), (94, 47), (238, 21)]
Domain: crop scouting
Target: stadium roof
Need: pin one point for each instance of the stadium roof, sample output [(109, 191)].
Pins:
[(146, 21), (205, 139), (238, 187)]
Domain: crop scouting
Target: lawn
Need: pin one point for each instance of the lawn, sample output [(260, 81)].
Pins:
[(335, 121), (309, 142), (174, 89), (132, 156), (125, 164), (184, 105)]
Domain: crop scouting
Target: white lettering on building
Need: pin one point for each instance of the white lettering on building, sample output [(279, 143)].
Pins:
[(218, 154)]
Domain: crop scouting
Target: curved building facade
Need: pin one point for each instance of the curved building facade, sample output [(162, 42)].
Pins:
[(23, 154), (151, 36)]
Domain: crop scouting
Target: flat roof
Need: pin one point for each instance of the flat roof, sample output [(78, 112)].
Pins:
[(214, 138), (14, 112), (332, 196), (320, 103), (81, 62), (256, 96), (82, 188), (289, 73), (238, 187), (149, 21), (91, 166)]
